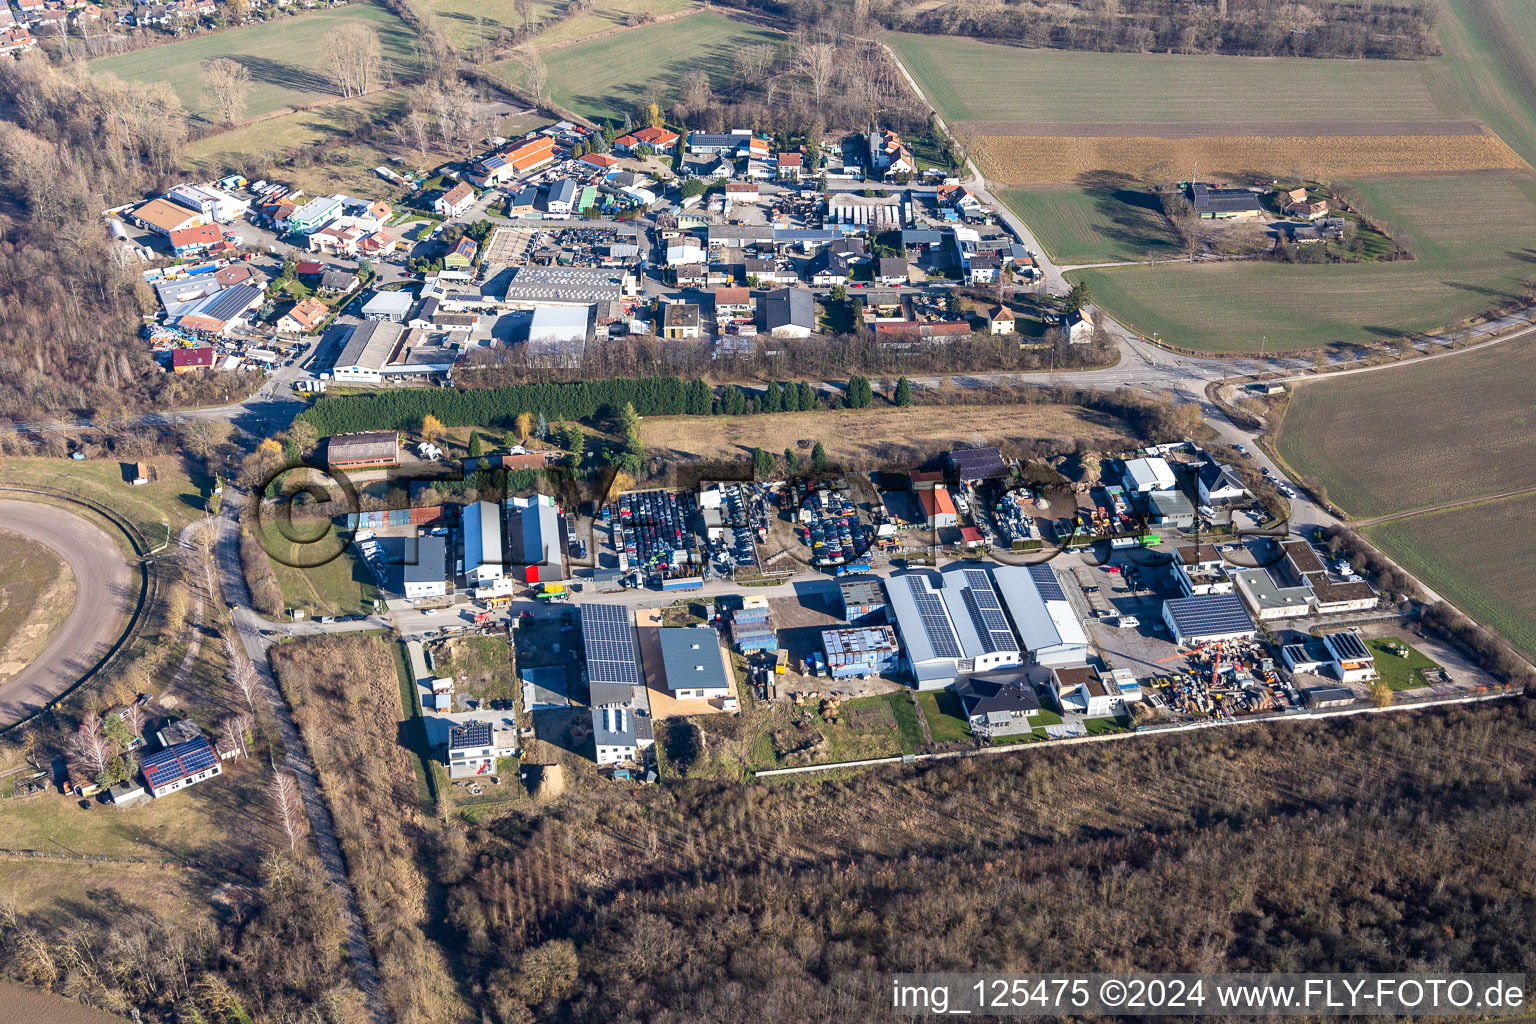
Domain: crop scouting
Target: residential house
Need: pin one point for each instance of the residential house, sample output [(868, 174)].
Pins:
[(1094, 694), (938, 508), (619, 735), (681, 321), (337, 239), (1002, 703), (958, 199), (191, 241), (304, 318), (733, 304), (1308, 209), (889, 156), (983, 268), (474, 747), (742, 192), (1001, 320), (602, 161), (789, 313), (455, 202), (834, 262), (179, 766), (891, 271), (661, 141), (463, 254), (1220, 485), (524, 202), (1079, 328), (192, 360), (789, 166), (336, 281)]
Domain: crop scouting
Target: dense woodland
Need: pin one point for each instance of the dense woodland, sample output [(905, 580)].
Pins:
[(71, 304), (1398, 843)]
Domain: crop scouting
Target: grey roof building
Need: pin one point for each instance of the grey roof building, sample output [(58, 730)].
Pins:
[(789, 312), (692, 663)]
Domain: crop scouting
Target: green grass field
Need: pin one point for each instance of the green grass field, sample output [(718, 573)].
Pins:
[(605, 78), (1477, 558), (457, 18), (1488, 62), (282, 55), (1420, 434), (1096, 224), (341, 586), (970, 80), (1467, 262), (946, 717), (1400, 673), (272, 138), (173, 496)]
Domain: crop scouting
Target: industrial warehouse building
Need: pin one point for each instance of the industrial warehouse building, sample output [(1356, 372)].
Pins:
[(1206, 618), (866, 651), (693, 663), (612, 649), (427, 576), (951, 627), (1045, 620), (534, 544), (372, 449), (484, 563)]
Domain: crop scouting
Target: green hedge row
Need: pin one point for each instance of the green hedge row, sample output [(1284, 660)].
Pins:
[(496, 407)]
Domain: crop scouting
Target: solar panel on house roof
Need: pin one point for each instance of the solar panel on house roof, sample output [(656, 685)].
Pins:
[(179, 762), (470, 734), (987, 613), (1209, 615), (941, 635), (1047, 583), (608, 636)]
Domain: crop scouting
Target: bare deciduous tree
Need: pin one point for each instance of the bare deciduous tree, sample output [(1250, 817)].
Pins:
[(535, 75), (233, 732), (288, 808), (819, 62), (352, 57), (242, 674), (201, 437), (90, 752), (752, 62), (694, 90), (226, 85)]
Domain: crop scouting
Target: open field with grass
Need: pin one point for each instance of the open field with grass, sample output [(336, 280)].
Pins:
[(1397, 672), (172, 495), (607, 77), (273, 137), (282, 55), (481, 666), (1477, 558), (469, 22), (1465, 265), (1106, 220), (970, 80), (606, 15), (37, 593), (1418, 435), (945, 716), (341, 586), (1037, 159), (870, 436)]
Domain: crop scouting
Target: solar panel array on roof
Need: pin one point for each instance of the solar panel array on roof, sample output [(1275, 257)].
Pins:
[(987, 613), (608, 636), (1348, 646), (470, 734), (941, 635), (1047, 583), (182, 761), (1210, 615)]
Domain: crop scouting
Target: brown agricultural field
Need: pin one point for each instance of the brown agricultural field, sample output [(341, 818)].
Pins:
[(1444, 430), (869, 437), (1040, 159)]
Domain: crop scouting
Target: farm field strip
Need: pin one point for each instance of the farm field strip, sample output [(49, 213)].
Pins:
[(1489, 59), (1029, 160), (1095, 224), (283, 57), (1397, 439), (1466, 556), (1464, 265), (971, 80), (606, 77)]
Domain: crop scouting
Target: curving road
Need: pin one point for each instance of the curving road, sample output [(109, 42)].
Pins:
[(103, 593)]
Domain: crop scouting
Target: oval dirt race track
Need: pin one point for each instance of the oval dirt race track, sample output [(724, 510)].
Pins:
[(102, 594)]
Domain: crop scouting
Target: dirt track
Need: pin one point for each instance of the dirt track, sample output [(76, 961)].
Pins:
[(101, 604)]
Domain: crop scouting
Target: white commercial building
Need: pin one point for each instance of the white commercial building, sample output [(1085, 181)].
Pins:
[(428, 575), (1145, 475), (953, 629), (214, 204), (1041, 613), (483, 561)]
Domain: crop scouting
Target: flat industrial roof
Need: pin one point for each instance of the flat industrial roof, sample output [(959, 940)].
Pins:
[(691, 659), (370, 344)]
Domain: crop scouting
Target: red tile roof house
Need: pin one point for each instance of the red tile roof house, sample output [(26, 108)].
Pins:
[(659, 139), (455, 202), (188, 360)]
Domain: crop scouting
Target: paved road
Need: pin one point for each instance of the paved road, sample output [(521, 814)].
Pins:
[(103, 594), (296, 759)]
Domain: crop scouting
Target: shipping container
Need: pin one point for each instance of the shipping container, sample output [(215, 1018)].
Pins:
[(683, 583)]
